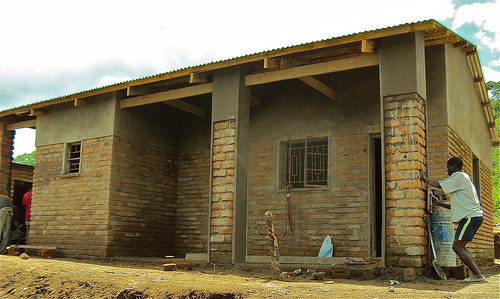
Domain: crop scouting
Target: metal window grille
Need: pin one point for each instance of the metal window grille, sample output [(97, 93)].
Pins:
[(74, 155), (306, 163)]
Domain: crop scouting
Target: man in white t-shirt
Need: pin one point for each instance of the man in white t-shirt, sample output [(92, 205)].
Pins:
[(465, 210)]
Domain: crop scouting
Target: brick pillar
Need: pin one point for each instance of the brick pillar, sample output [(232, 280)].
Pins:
[(6, 147), (228, 204), (223, 181), (405, 154)]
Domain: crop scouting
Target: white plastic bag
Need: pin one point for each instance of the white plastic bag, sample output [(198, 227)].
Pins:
[(326, 249)]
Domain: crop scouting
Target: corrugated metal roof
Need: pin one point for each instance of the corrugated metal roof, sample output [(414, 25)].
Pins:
[(218, 61)]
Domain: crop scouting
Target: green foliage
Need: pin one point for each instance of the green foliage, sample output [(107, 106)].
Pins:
[(27, 159), (494, 89)]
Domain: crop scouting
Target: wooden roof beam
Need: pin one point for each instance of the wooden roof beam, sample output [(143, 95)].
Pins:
[(437, 34), (168, 95), (319, 86), (190, 108), (22, 124), (345, 64), (447, 40)]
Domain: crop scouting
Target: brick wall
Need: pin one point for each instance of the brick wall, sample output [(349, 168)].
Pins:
[(142, 199), (406, 240), (20, 172), (192, 201), (71, 212), (341, 210), (482, 245), (221, 218), (6, 147)]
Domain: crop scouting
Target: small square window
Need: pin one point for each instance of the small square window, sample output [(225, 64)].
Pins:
[(73, 158), (305, 163)]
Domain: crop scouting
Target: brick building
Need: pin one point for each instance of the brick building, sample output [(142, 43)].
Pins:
[(190, 160)]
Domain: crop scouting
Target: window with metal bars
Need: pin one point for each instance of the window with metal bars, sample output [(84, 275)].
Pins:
[(74, 155), (305, 163)]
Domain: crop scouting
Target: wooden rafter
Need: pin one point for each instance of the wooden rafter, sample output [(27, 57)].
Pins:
[(367, 46), (319, 86), (312, 69), (199, 78), (168, 95), (193, 109)]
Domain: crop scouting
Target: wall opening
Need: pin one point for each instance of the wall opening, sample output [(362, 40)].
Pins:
[(376, 178), (476, 174)]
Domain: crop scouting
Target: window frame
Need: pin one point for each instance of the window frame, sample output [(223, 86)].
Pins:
[(283, 156), (66, 171)]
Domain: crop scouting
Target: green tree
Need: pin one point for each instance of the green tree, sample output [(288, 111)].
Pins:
[(27, 159), (494, 89)]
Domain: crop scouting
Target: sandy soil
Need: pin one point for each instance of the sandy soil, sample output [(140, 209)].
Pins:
[(145, 278)]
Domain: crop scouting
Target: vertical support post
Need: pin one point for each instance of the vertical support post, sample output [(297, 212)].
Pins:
[(229, 166), (403, 92), (6, 147)]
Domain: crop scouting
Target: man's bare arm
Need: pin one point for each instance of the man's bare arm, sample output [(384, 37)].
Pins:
[(428, 181)]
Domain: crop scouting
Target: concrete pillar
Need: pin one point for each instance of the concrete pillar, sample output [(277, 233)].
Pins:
[(6, 147), (403, 94), (228, 205)]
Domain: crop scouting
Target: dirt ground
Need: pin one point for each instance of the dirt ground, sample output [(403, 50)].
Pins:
[(145, 278)]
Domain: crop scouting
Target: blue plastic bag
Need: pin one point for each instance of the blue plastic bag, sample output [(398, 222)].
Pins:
[(326, 249)]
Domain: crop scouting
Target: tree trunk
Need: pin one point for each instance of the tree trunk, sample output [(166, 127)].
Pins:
[(274, 247)]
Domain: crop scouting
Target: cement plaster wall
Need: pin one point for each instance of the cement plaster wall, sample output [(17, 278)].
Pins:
[(92, 118), (435, 66), (291, 109), (465, 113), (402, 64)]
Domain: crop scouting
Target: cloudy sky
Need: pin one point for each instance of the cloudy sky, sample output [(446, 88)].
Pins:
[(53, 48)]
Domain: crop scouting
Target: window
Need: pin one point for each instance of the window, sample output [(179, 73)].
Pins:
[(305, 163), (73, 155)]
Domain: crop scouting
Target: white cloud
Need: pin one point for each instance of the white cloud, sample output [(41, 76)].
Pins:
[(490, 74), (60, 35), (495, 62), (484, 15)]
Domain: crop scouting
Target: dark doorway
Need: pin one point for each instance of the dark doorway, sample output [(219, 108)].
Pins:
[(377, 196), (20, 188)]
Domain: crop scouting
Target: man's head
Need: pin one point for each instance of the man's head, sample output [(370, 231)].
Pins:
[(454, 164)]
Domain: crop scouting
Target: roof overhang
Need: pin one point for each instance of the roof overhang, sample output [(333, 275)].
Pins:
[(345, 46)]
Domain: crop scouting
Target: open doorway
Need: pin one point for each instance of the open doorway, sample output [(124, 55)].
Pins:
[(376, 182)]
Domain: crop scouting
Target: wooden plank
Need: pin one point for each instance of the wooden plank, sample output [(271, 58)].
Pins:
[(367, 46), (35, 247), (193, 109), (437, 34), (319, 86), (313, 260), (199, 78), (361, 61), (168, 95), (271, 63), (22, 124)]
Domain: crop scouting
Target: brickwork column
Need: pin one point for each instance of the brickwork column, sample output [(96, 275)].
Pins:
[(221, 218), (403, 90), (405, 154), (229, 166), (6, 147)]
